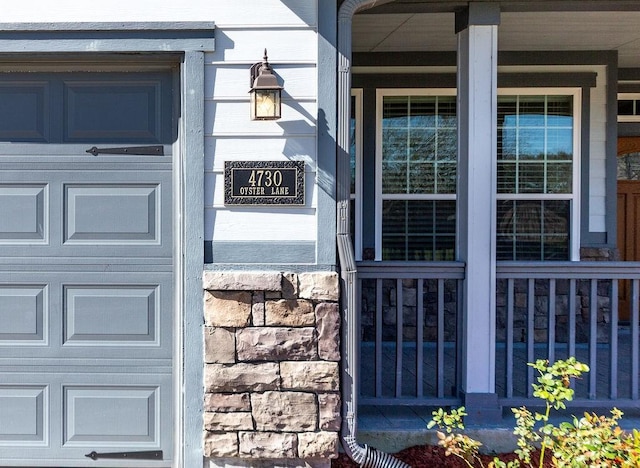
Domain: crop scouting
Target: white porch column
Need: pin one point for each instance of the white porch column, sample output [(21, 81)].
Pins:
[(477, 32)]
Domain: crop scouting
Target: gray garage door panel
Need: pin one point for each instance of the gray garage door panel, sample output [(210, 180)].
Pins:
[(89, 107), (86, 268), (66, 416), (108, 315), (85, 213)]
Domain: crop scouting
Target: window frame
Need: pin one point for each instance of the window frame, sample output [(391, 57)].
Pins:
[(574, 197), (380, 197), (629, 97)]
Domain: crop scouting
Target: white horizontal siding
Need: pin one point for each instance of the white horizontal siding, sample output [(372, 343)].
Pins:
[(260, 224), (301, 148), (232, 81), (288, 30), (291, 13), (265, 12), (247, 46), (228, 118)]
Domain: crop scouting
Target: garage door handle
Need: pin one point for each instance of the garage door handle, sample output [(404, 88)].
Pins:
[(138, 150), (146, 455)]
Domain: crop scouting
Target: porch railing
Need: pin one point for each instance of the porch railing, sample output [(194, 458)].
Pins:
[(554, 310), (408, 323), (551, 310)]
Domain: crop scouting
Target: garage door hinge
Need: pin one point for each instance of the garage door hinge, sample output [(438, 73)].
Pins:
[(138, 150), (145, 455)]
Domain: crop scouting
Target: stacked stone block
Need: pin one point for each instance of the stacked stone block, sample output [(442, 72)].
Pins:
[(272, 352)]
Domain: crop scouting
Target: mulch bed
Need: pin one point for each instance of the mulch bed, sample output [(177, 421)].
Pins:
[(429, 456)]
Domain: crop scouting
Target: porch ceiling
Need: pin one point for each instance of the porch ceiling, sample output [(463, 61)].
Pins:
[(389, 31)]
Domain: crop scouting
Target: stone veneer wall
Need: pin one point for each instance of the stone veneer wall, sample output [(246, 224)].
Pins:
[(272, 352)]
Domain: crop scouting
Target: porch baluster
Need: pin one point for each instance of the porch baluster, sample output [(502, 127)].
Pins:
[(530, 332), (551, 314), (509, 338), (440, 340), (378, 344), (420, 339), (593, 337), (613, 341), (635, 329), (399, 330), (572, 322)]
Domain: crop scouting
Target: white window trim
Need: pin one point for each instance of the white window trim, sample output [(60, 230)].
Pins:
[(574, 196), (576, 93), (632, 97), (357, 196)]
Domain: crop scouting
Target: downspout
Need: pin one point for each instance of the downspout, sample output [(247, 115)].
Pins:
[(365, 456)]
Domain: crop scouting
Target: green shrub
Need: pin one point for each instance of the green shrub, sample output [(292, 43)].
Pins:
[(592, 440)]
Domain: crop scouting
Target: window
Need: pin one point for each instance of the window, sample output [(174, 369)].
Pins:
[(537, 186), (537, 175), (416, 175), (629, 166), (629, 107)]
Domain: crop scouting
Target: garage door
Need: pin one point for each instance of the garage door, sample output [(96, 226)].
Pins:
[(86, 272)]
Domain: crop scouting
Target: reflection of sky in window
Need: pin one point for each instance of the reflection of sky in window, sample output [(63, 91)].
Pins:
[(529, 132)]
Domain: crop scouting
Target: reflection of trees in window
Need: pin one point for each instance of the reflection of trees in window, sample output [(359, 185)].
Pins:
[(419, 152), (535, 156), (533, 230), (629, 166), (419, 144)]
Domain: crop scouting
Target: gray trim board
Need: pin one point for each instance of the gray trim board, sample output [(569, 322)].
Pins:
[(444, 59), (448, 80), (585, 238), (550, 57), (403, 80), (611, 162), (628, 128), (164, 26), (547, 80), (276, 252), (628, 87), (477, 14), (417, 6), (281, 267), (404, 59), (595, 239), (106, 37), (629, 74), (326, 132), (192, 208)]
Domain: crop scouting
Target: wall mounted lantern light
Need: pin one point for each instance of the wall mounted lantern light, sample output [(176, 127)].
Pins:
[(265, 92)]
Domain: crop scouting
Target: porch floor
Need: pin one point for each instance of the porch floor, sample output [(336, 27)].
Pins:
[(393, 427)]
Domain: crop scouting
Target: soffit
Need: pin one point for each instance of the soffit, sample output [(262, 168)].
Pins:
[(518, 31)]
